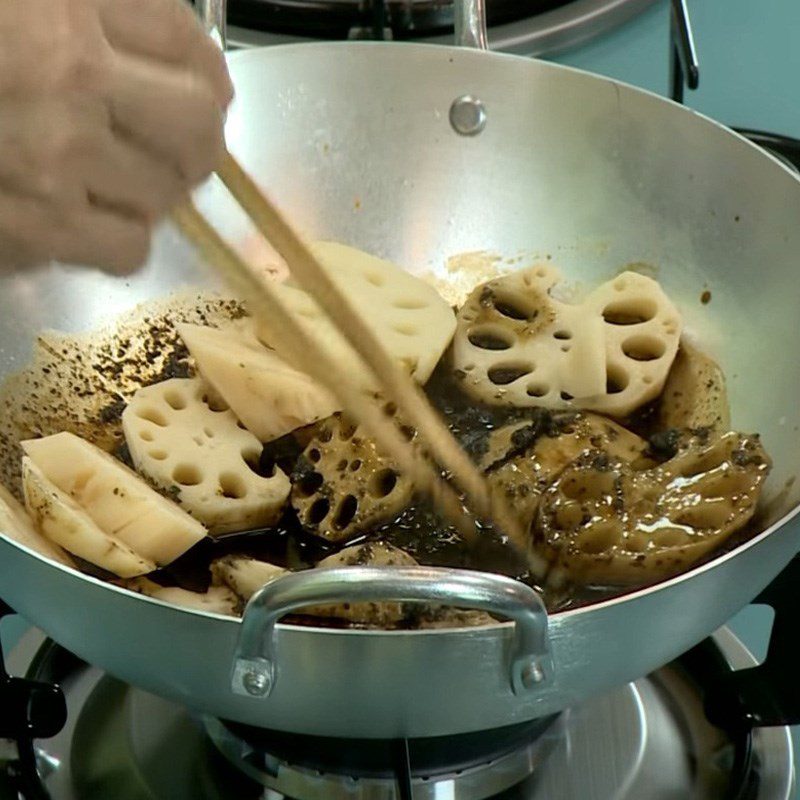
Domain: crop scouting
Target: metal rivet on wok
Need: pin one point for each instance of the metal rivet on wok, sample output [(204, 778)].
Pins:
[(256, 683), (467, 115), (532, 674)]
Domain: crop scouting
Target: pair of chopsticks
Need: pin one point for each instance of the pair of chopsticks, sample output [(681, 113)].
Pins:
[(464, 498)]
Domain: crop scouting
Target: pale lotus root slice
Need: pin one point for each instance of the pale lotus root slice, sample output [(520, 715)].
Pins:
[(522, 459), (642, 332), (216, 600), (413, 322), (197, 451), (268, 396), (517, 345), (601, 522), (245, 575), (343, 486)]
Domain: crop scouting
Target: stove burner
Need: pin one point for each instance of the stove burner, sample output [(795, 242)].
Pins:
[(343, 19), (470, 766)]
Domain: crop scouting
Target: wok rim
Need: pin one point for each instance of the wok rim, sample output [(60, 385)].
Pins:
[(567, 614)]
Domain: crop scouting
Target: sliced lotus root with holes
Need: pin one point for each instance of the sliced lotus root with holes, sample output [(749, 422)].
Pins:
[(524, 458), (516, 344), (343, 486), (642, 330), (245, 575), (604, 523), (371, 554), (412, 321), (197, 451), (694, 394), (270, 397)]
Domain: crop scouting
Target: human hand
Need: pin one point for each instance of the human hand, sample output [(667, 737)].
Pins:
[(110, 111)]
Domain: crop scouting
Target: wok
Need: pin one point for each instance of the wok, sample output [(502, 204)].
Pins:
[(354, 141)]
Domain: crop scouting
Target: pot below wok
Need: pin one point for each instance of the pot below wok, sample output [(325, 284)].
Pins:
[(354, 141)]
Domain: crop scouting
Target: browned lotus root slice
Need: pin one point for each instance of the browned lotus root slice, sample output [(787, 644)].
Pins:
[(388, 614), (377, 554), (694, 395), (343, 486), (605, 523), (517, 345), (525, 457)]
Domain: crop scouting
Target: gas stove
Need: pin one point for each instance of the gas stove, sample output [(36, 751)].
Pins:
[(526, 27), (647, 740)]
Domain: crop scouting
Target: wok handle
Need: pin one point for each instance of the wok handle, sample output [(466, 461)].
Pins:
[(470, 24), (214, 16), (255, 669)]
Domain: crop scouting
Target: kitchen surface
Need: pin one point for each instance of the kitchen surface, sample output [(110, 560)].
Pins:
[(749, 63)]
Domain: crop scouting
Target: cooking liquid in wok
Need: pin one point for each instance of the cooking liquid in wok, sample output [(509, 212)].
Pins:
[(84, 387)]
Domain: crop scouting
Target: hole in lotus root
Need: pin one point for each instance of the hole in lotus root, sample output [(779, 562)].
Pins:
[(318, 511), (405, 329), (669, 537), (599, 538), (355, 465), (503, 374), (309, 484), (561, 334), (566, 396), (510, 307), (375, 278), (346, 430), (187, 475), (345, 513), (390, 409), (232, 486), (158, 455), (146, 436), (153, 415), (382, 483), (638, 543), (537, 390), (175, 400), (616, 380), (630, 311), (214, 403), (644, 348), (409, 303), (342, 465), (314, 455), (487, 338), (208, 432), (712, 515), (325, 435)]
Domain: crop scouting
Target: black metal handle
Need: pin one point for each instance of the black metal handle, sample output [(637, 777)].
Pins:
[(769, 694), (684, 66)]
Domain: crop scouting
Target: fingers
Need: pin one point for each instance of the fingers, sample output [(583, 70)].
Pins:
[(32, 232), (127, 177), (171, 113), (166, 31)]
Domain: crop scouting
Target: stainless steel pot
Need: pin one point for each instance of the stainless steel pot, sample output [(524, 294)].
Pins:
[(355, 140)]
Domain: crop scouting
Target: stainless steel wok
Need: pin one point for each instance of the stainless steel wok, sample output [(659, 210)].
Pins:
[(355, 142)]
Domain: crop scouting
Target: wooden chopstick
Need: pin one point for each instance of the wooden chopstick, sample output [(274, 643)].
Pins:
[(312, 357), (400, 387)]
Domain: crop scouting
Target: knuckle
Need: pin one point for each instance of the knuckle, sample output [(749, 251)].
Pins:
[(207, 145)]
